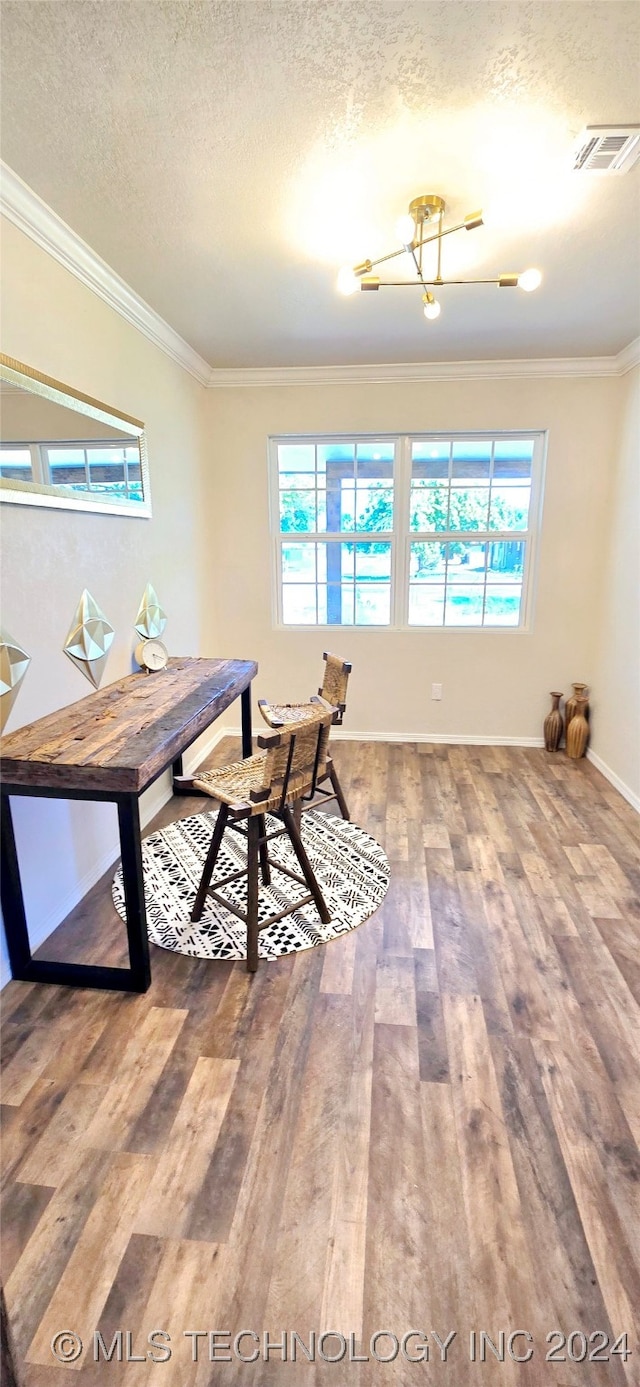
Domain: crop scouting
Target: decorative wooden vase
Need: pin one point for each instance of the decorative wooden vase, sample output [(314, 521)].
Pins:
[(578, 730), (553, 724), (570, 707)]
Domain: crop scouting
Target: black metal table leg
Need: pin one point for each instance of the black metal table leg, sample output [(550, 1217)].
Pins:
[(13, 911), (24, 968), (247, 744), (133, 883)]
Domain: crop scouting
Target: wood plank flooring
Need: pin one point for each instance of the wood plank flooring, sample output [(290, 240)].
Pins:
[(430, 1125)]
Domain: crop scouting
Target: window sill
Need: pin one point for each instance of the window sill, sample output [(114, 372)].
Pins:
[(416, 630)]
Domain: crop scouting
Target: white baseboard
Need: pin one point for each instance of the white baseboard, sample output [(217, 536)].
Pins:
[(344, 734), (625, 790), (206, 744)]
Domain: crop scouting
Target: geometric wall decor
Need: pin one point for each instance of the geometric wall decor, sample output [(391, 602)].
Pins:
[(14, 663), (151, 619), (89, 638)]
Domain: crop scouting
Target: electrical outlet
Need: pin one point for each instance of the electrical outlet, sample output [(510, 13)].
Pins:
[(436, 691)]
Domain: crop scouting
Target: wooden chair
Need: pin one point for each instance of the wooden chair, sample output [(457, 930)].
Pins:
[(333, 698), (272, 782)]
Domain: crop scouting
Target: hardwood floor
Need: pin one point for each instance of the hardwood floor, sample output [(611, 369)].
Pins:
[(429, 1125)]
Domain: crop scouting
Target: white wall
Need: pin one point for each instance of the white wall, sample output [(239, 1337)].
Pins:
[(34, 419), (615, 741), (494, 685), (53, 323)]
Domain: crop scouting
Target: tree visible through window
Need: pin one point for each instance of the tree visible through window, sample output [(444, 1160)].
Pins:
[(460, 488), (426, 531)]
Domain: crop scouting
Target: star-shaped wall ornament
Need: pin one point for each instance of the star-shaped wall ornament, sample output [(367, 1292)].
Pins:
[(89, 639), (14, 663), (152, 618)]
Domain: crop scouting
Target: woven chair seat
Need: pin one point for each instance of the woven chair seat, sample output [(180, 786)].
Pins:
[(233, 784), (277, 714)]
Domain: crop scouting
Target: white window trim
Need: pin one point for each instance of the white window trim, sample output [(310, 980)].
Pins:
[(401, 537)]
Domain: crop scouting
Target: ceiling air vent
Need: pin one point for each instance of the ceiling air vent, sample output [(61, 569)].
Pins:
[(607, 149)]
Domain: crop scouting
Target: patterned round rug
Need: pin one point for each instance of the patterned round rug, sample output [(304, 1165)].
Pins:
[(351, 868)]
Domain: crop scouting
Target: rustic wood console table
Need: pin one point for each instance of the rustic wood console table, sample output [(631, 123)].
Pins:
[(111, 746)]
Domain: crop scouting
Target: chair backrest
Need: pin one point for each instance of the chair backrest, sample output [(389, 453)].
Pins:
[(295, 757), (334, 684)]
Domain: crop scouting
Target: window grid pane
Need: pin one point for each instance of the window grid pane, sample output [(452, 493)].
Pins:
[(336, 488), (458, 472), (352, 580), (15, 463), (483, 579)]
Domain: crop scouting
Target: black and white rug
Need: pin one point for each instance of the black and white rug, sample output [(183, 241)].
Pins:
[(351, 868)]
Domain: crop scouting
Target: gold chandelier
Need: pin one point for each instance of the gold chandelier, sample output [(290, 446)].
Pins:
[(415, 231)]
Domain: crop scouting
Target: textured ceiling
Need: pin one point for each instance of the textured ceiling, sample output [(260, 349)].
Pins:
[(226, 156)]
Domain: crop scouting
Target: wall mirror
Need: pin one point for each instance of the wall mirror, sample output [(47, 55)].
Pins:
[(63, 449)]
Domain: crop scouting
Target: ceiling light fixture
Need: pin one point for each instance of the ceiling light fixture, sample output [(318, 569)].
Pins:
[(420, 227)]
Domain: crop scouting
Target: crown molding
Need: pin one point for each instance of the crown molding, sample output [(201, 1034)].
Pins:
[(20, 205), (541, 368), (628, 357)]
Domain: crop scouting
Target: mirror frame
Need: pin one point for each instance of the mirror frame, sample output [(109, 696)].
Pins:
[(34, 493)]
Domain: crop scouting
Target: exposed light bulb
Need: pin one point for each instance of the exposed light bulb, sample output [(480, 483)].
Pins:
[(348, 282), (406, 229), (529, 280), (431, 306)]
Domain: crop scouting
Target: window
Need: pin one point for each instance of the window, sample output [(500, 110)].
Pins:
[(427, 531), (102, 467), (105, 468)]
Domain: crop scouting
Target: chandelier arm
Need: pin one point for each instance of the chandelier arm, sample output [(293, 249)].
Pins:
[(393, 254), (418, 266), (430, 283)]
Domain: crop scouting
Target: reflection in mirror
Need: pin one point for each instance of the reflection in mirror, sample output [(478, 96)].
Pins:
[(59, 448)]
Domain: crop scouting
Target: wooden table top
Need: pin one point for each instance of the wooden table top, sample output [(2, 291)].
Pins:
[(121, 737)]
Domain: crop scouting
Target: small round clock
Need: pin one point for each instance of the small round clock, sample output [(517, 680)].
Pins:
[(151, 655)]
